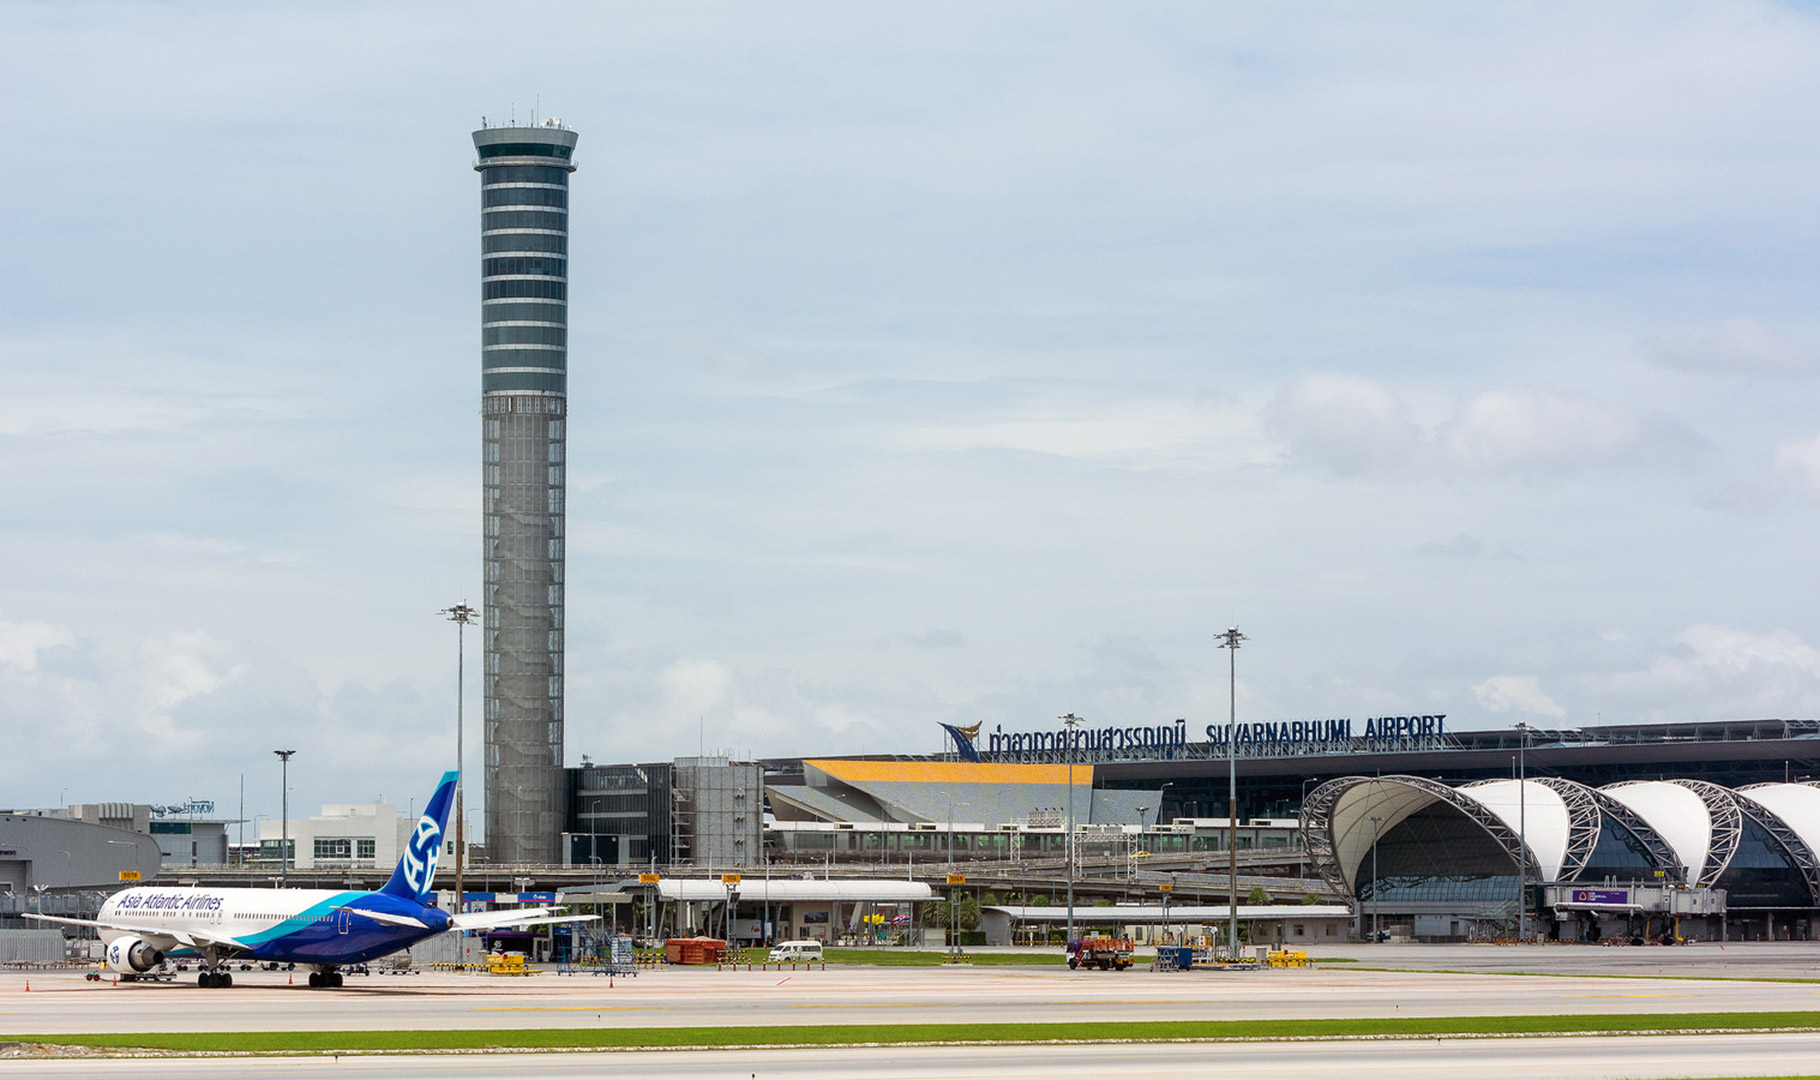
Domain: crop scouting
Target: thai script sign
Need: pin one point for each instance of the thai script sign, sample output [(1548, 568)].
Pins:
[(1161, 740)]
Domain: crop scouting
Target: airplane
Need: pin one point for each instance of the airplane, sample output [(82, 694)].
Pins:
[(321, 928)]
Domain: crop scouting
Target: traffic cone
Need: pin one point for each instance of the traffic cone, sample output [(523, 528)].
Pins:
[(609, 982), (290, 980), (28, 986)]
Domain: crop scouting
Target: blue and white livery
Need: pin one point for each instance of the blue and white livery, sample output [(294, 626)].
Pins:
[(323, 929)]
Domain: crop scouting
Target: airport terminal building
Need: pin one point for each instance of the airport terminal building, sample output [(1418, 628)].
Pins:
[(1703, 830)]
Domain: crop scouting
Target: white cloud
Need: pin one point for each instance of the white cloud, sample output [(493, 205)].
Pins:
[(1355, 426), (1730, 653), (1737, 347), (1519, 693), (1137, 433), (1798, 463), (1725, 672), (693, 687), (1458, 546), (1348, 424), (1520, 430), (173, 670), (21, 642)]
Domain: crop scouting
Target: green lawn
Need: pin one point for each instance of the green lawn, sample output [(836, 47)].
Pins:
[(622, 1038)]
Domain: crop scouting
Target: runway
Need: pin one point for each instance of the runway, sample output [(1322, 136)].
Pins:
[(1603, 981), (1484, 1059), (62, 1002)]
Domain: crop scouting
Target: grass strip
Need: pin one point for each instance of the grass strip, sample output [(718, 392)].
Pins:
[(266, 1042)]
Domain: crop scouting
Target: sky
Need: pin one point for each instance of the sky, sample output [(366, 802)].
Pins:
[(929, 363)]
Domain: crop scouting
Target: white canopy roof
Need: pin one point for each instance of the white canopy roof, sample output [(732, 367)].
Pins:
[(1798, 805), (1388, 801), (1540, 810), (1678, 815), (786, 890), (1153, 913)]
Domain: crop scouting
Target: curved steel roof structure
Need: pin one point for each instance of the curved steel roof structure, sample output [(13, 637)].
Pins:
[(1688, 829), (1343, 818)]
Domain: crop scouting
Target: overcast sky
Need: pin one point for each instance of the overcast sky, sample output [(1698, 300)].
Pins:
[(929, 363)]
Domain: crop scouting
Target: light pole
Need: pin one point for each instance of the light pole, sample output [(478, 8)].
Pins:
[(1230, 642), (1168, 891), (462, 616), (594, 865), (1131, 872), (284, 829), (1071, 721), (1375, 820), (1523, 729)]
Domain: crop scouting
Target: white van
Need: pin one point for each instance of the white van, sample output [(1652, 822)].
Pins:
[(796, 952)]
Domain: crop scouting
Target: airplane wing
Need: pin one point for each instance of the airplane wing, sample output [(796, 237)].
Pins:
[(385, 917), (492, 920), (194, 938), (125, 928)]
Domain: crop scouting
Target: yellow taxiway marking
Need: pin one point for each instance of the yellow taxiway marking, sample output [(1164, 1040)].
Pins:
[(1134, 1001), (556, 1008), (944, 1004), (877, 1005), (1629, 995)]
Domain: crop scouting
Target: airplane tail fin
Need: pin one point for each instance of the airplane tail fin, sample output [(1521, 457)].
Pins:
[(416, 869)]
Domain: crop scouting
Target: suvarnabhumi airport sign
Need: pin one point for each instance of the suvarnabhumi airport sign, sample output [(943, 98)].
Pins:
[(1170, 741), (1333, 731)]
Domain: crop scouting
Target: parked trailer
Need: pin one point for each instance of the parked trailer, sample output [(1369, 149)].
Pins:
[(1105, 953)]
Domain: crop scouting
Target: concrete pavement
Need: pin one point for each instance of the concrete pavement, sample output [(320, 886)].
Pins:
[(1577, 1058)]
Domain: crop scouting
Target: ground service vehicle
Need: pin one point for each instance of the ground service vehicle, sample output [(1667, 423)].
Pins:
[(1105, 953), (795, 952)]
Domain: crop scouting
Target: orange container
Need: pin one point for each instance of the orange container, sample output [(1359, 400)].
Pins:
[(694, 950)]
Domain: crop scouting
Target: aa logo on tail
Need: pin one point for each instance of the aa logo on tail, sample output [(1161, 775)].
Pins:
[(420, 854)]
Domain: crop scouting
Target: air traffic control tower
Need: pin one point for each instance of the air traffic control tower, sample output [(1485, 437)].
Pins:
[(524, 404)]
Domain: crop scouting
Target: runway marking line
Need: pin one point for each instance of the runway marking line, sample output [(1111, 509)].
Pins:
[(557, 1008), (880, 1005)]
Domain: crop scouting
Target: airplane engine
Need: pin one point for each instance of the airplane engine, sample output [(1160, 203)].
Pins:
[(132, 954)]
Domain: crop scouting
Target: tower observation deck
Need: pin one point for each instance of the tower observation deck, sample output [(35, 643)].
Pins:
[(524, 241)]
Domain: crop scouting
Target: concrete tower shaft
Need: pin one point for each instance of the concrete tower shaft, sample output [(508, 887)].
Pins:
[(524, 239)]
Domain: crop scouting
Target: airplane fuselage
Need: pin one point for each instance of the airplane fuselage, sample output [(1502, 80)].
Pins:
[(304, 926)]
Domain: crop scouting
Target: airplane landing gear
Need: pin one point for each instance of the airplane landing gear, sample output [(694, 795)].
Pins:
[(325, 980), (215, 980)]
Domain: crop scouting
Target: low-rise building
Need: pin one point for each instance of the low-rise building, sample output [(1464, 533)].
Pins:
[(344, 834)]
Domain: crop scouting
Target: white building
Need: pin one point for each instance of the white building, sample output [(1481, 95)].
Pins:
[(344, 834)]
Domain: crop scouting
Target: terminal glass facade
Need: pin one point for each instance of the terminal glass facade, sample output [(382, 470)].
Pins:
[(1438, 855)]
